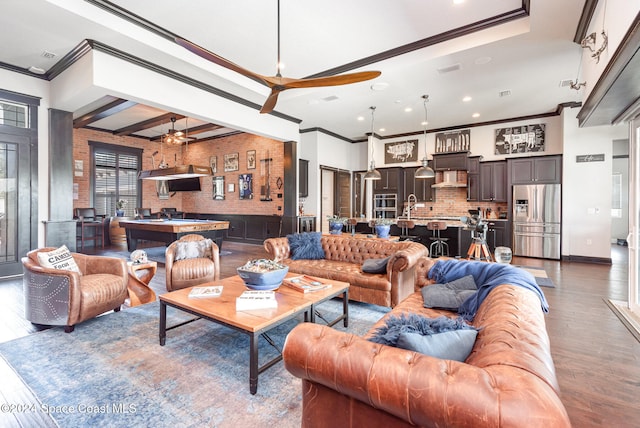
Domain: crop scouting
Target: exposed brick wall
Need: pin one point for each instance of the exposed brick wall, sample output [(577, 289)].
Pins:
[(199, 154)]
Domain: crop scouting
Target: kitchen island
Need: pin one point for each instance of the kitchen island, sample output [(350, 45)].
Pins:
[(498, 234)]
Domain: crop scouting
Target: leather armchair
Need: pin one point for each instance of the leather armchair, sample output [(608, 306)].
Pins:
[(64, 298), (188, 272), (171, 213)]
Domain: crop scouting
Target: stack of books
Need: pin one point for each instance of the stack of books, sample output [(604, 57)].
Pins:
[(306, 284), (256, 299)]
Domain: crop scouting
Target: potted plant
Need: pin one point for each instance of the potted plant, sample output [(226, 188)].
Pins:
[(120, 204), (383, 225), (335, 224)]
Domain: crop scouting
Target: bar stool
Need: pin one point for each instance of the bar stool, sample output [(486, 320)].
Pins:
[(439, 246), (351, 225), (405, 226)]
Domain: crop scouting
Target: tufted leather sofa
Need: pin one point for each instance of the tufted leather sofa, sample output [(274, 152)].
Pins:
[(508, 380), (344, 256)]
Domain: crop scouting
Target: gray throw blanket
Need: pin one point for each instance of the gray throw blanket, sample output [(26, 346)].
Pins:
[(487, 276)]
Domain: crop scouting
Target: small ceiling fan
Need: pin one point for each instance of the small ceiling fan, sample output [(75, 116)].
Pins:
[(174, 136), (277, 83)]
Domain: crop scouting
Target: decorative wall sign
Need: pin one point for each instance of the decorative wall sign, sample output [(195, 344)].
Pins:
[(401, 151), (231, 162), (218, 188), (590, 158), (251, 159), (453, 141), (213, 163), (520, 139), (245, 186)]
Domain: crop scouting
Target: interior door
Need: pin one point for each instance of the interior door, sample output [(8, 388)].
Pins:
[(634, 216), (15, 202), (327, 207), (343, 193)]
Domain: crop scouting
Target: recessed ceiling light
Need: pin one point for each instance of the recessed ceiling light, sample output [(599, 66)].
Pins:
[(474, 115), (423, 123), (483, 60), (408, 109), (458, 1), (467, 99), (381, 130), (379, 86)]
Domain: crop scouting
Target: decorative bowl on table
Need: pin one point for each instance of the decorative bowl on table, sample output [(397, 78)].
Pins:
[(262, 274)]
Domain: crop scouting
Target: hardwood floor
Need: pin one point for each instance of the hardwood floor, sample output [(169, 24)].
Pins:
[(597, 359)]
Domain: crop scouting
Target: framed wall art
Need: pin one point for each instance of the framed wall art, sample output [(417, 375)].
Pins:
[(213, 163), (251, 159), (520, 139), (401, 151), (218, 188), (245, 186), (453, 141), (231, 162)]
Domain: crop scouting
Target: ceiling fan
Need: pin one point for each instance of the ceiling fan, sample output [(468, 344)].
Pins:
[(174, 136), (278, 83)]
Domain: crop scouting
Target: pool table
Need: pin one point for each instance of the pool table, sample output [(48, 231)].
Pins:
[(167, 231)]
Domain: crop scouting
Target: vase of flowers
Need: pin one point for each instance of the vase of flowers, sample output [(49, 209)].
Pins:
[(335, 224), (120, 204), (383, 226)]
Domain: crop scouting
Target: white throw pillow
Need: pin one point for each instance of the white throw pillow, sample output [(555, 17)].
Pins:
[(60, 258)]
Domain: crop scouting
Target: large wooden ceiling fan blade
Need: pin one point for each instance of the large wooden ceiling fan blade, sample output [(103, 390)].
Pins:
[(216, 59), (271, 101), (343, 79)]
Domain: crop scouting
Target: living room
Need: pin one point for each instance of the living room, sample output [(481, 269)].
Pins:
[(585, 213)]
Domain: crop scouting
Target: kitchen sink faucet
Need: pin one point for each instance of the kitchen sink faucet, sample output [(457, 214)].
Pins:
[(409, 206)]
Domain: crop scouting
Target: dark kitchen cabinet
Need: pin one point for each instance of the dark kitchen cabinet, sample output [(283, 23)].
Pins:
[(390, 180), (421, 187), (473, 179), (536, 170), (498, 234), (450, 161), (303, 178), (493, 181)]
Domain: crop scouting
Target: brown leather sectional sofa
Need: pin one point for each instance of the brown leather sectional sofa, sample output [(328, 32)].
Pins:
[(508, 380), (344, 256)]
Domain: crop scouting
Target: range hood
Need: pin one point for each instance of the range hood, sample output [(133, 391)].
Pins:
[(449, 179), (182, 171)]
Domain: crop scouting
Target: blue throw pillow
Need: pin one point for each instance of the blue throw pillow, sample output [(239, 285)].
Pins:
[(449, 296), (451, 345), (306, 246), (394, 333), (375, 265)]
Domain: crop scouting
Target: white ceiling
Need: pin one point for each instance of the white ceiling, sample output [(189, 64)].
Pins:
[(528, 57)]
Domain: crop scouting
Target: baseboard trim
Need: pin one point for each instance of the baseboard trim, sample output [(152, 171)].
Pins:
[(585, 259)]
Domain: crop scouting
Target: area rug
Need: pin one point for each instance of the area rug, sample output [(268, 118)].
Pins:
[(540, 275), (111, 371)]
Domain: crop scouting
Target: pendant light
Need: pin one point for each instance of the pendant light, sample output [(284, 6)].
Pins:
[(424, 171), (372, 172)]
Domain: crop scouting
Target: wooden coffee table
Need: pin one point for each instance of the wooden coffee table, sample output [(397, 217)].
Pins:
[(254, 323)]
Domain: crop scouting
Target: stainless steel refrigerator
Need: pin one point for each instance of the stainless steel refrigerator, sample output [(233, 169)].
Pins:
[(536, 220)]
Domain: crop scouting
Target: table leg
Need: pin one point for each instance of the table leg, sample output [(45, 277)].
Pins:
[(345, 307), (163, 323), (253, 363)]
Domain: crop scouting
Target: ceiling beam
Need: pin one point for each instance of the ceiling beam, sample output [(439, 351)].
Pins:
[(107, 110), (146, 124)]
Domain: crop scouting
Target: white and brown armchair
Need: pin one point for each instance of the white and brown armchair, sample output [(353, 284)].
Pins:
[(61, 297), (191, 260)]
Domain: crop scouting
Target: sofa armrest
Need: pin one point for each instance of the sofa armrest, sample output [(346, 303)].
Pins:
[(277, 248), (416, 388), (406, 258)]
